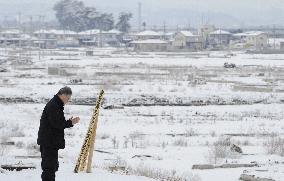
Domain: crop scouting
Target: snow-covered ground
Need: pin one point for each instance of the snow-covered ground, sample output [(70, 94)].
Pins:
[(170, 112)]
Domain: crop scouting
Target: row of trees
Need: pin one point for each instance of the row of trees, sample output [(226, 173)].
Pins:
[(74, 15)]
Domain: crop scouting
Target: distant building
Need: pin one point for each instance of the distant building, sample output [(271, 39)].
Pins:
[(204, 31), (219, 38), (16, 37), (282, 45), (257, 39), (62, 34), (44, 34), (45, 43), (96, 37), (68, 42), (66, 38), (112, 37), (170, 35), (252, 39), (150, 45), (185, 40), (88, 37), (45, 39), (144, 35)]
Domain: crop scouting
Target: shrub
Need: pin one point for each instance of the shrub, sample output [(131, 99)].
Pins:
[(274, 145)]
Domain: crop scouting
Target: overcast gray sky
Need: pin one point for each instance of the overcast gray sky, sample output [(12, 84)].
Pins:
[(173, 12)]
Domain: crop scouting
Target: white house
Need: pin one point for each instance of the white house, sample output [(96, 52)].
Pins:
[(62, 34), (219, 38), (44, 34), (16, 37), (56, 38), (148, 34), (94, 37), (45, 39), (150, 45), (252, 39), (169, 36), (187, 40), (87, 37), (12, 33), (257, 39), (112, 37), (205, 30), (66, 38)]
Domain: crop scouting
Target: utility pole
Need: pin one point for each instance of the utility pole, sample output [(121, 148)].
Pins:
[(100, 34), (274, 36), (19, 35), (188, 24), (19, 19), (139, 16), (6, 21), (5, 40)]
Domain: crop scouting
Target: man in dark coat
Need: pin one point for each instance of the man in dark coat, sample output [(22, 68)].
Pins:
[(51, 132)]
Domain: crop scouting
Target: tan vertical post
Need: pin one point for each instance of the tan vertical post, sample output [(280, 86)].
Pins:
[(89, 139), (91, 151)]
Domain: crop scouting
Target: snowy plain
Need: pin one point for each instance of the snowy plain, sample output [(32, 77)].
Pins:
[(169, 111)]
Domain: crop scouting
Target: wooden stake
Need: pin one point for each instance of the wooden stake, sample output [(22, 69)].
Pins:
[(91, 151), (89, 139)]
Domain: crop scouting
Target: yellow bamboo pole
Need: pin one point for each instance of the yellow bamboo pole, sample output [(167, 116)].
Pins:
[(85, 149), (91, 151)]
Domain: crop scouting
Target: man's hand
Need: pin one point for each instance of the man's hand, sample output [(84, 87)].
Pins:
[(74, 120)]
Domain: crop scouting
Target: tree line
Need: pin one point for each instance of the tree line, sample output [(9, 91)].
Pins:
[(74, 15)]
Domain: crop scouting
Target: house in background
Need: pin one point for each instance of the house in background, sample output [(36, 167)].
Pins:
[(282, 45), (96, 37), (66, 38), (144, 35), (45, 43), (257, 40), (16, 38), (170, 36), (45, 39), (111, 38), (219, 38), (61, 34), (150, 45), (204, 31), (87, 37), (44, 34), (185, 40), (11, 33)]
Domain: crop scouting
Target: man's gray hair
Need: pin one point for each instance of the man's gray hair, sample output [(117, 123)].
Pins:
[(65, 90)]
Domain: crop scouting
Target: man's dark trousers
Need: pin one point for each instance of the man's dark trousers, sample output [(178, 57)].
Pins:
[(49, 163)]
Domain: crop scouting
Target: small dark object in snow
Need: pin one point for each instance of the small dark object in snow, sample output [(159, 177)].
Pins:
[(117, 168), (76, 81), (142, 156), (227, 165), (261, 74), (3, 70), (113, 107), (236, 148), (229, 65), (8, 143), (18, 167), (100, 151), (246, 177), (202, 167)]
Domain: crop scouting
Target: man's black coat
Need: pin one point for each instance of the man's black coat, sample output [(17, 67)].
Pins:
[(52, 125)]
